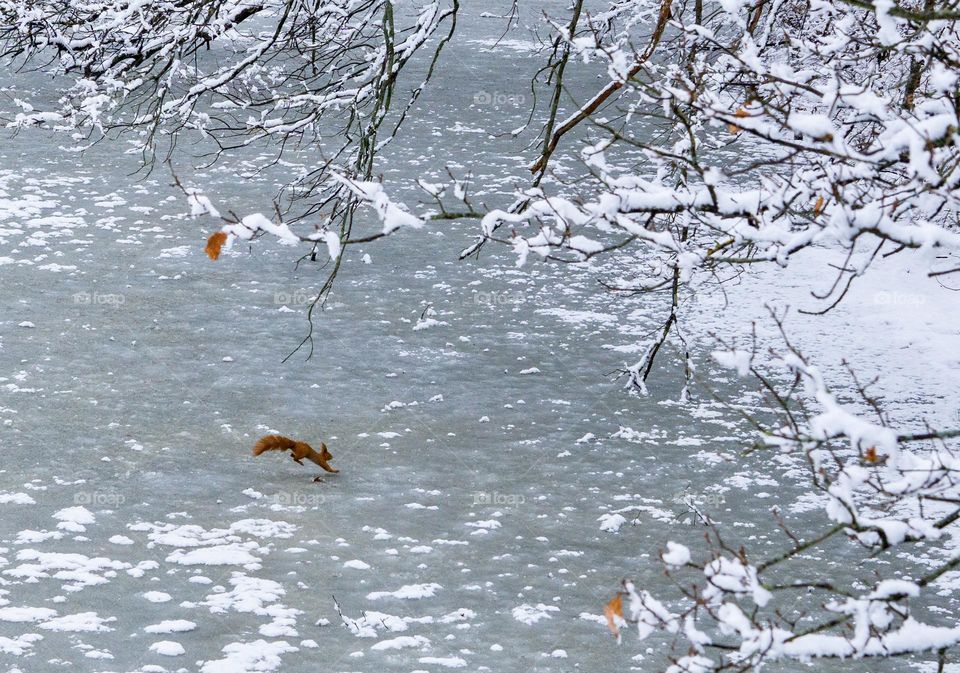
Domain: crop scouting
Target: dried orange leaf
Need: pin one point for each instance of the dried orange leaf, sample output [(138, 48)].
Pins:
[(818, 206), (740, 113), (611, 611), (214, 243)]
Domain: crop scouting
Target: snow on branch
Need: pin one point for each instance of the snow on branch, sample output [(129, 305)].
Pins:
[(883, 489), (391, 215)]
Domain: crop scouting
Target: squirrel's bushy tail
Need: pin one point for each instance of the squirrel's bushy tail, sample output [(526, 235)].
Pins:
[(272, 443)]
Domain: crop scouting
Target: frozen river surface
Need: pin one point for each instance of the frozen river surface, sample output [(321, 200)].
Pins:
[(488, 462)]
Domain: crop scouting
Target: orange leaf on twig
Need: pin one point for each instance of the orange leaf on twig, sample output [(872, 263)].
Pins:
[(611, 611), (214, 243), (818, 206), (733, 128)]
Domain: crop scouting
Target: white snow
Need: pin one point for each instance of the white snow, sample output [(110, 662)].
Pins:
[(26, 614), (167, 648), (407, 592), (611, 522), (171, 626), (80, 622), (401, 642), (676, 555), (356, 564), (531, 614), (157, 596)]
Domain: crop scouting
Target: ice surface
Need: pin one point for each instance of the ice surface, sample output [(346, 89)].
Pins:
[(135, 375)]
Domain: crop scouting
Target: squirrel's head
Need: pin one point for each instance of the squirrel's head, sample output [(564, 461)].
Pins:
[(324, 453)]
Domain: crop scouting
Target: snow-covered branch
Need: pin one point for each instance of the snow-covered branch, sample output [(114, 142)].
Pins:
[(881, 489)]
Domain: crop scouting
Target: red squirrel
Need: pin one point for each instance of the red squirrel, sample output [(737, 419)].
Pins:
[(298, 450)]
